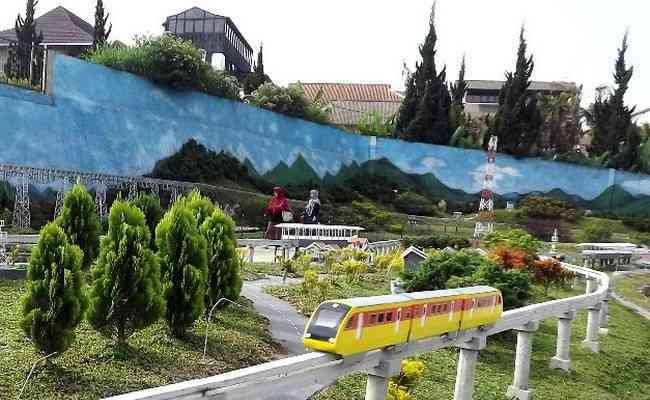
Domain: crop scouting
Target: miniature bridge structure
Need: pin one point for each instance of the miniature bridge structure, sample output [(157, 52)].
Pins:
[(314, 371)]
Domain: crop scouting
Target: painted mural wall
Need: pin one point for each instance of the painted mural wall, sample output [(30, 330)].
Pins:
[(103, 120)]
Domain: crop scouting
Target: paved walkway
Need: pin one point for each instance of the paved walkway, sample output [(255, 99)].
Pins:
[(632, 306), (286, 324)]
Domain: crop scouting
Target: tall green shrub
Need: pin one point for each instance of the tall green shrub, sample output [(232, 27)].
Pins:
[(182, 254), (291, 101), (223, 261), (153, 212), (55, 301), (201, 206), (80, 222), (126, 293)]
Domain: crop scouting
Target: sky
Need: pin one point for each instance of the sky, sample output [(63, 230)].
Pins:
[(370, 40)]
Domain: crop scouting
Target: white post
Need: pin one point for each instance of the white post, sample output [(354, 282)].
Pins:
[(520, 388), (251, 254), (593, 320), (378, 378), (591, 285), (562, 359), (464, 388), (604, 316)]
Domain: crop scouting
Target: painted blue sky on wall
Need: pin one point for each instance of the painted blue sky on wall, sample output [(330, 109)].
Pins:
[(108, 121)]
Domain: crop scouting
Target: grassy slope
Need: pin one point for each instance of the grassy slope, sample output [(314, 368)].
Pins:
[(93, 368), (629, 287), (621, 371)]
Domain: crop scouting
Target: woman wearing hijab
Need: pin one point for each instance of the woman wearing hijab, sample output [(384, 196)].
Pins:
[(278, 205), (312, 211)]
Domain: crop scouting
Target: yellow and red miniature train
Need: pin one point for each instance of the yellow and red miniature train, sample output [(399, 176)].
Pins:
[(361, 324)]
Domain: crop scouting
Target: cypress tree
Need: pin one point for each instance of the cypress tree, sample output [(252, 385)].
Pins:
[(614, 132), (201, 206), (223, 261), (55, 301), (80, 222), (424, 114), (153, 212), (257, 78), (20, 53), (458, 90), (126, 293), (182, 254), (100, 35), (518, 120)]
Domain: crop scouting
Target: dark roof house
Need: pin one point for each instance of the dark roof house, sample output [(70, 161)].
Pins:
[(350, 102), (60, 27)]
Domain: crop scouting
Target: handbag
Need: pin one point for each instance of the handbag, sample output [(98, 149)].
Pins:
[(287, 216)]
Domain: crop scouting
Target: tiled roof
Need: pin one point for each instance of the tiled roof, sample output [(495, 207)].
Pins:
[(58, 26), (534, 85), (352, 91), (352, 101)]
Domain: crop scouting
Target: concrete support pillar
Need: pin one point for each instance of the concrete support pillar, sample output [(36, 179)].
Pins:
[(378, 378), (251, 254), (591, 285), (520, 388), (562, 359), (604, 316), (464, 388), (593, 320)]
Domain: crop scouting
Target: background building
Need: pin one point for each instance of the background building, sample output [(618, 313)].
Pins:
[(225, 46), (351, 102), (63, 31), (482, 97)]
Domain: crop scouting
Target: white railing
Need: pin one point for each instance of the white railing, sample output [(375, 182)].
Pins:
[(318, 232), (278, 379)]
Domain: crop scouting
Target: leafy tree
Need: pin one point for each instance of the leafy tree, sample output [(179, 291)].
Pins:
[(20, 53), (549, 273), (518, 120), (223, 261), (291, 101), (436, 270), (80, 222), (515, 239), (613, 131), (458, 90), (596, 231), (126, 294), (254, 80), (183, 261), (153, 212), (424, 113), (55, 301), (376, 124), (547, 208), (511, 259), (100, 35), (561, 130)]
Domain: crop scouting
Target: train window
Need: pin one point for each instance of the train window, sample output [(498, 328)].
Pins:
[(444, 307), (373, 318), (407, 315), (351, 321), (326, 321), (389, 316), (381, 318)]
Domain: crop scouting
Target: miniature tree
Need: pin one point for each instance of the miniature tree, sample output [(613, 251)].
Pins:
[(80, 222), (55, 301), (126, 293), (182, 254), (223, 261), (153, 212), (201, 206)]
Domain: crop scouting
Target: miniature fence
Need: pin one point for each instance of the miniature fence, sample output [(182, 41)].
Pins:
[(318, 232), (277, 379)]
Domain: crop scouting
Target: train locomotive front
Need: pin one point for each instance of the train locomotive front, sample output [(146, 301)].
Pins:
[(357, 325)]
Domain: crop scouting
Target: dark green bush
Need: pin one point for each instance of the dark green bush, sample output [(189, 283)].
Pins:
[(55, 301), (514, 239), (126, 295), (171, 61), (596, 231), (80, 222), (223, 260), (437, 242), (290, 101), (183, 262), (639, 224), (153, 212), (415, 204), (541, 207)]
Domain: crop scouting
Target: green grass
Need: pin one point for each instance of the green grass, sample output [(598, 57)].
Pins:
[(93, 367), (259, 270), (629, 287)]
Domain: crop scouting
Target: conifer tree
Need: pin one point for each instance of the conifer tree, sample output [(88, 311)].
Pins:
[(257, 77), (100, 35), (182, 254), (153, 212), (424, 114), (126, 294), (223, 261), (458, 90), (614, 132), (55, 301), (20, 53), (201, 206), (518, 120), (80, 222)]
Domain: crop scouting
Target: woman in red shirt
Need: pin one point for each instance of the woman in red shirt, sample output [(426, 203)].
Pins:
[(275, 209)]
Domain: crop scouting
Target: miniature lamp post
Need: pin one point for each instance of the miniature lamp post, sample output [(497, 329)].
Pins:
[(554, 240)]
